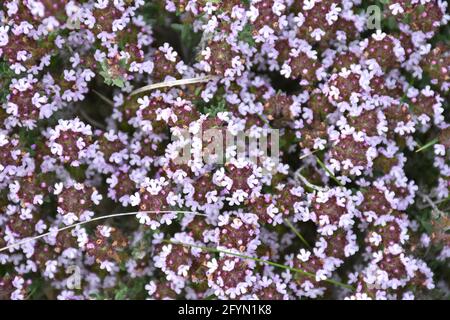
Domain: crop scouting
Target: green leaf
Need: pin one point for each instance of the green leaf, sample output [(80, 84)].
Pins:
[(246, 35), (214, 109), (108, 77), (6, 74), (427, 145), (121, 294)]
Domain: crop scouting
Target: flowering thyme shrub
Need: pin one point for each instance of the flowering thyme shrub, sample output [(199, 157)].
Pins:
[(355, 208)]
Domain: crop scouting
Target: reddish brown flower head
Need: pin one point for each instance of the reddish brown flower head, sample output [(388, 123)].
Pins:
[(260, 205), (164, 67), (266, 16), (42, 254), (366, 122), (10, 153), (424, 17), (196, 227), (237, 234), (397, 114), (384, 52), (199, 269), (35, 51), (23, 228), (23, 103), (393, 265), (33, 186), (311, 132), (104, 18), (346, 86), (348, 149), (72, 145), (406, 42), (202, 186), (375, 200), (278, 108), (390, 234), (312, 265), (124, 186), (303, 67), (65, 240), (185, 113), (220, 57), (154, 202), (444, 138), (283, 49), (319, 104), (76, 200), (229, 280), (344, 60), (109, 147), (423, 104), (384, 164), (285, 200), (315, 18), (163, 291), (107, 244), (239, 177), (379, 87), (6, 287), (437, 64), (179, 256), (336, 244), (329, 210), (269, 292)]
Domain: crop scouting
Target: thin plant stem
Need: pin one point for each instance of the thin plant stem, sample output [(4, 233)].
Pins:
[(264, 120), (297, 233), (271, 263), (427, 145), (309, 154), (172, 84), (307, 183), (104, 98), (324, 167), (26, 240), (432, 204), (91, 121), (442, 200)]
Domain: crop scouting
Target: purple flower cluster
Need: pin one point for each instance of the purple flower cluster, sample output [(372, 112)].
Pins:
[(342, 211)]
